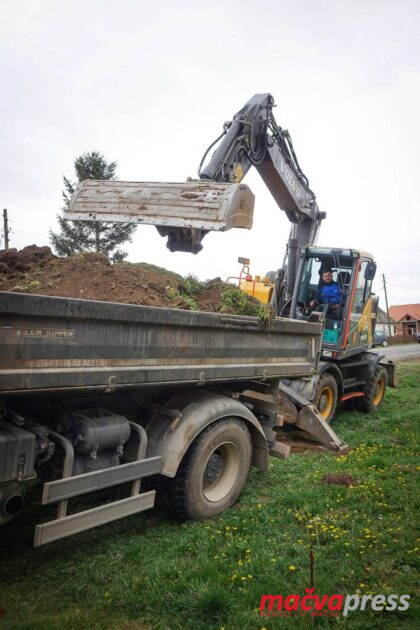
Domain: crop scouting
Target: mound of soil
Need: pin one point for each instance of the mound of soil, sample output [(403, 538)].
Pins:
[(91, 276), (339, 479)]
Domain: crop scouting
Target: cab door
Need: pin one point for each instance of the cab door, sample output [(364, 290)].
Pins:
[(362, 311)]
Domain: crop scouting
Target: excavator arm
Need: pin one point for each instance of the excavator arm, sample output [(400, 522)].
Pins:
[(186, 212), (253, 138)]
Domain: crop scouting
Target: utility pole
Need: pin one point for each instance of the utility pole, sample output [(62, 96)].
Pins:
[(6, 229), (387, 309)]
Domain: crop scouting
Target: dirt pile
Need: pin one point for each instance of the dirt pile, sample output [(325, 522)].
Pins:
[(339, 479), (91, 276)]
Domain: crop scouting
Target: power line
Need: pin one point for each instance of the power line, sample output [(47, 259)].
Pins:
[(36, 224), (28, 232)]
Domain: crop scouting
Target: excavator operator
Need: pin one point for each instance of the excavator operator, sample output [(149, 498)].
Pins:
[(328, 293)]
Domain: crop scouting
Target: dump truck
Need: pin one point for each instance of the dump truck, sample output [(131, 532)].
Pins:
[(96, 394)]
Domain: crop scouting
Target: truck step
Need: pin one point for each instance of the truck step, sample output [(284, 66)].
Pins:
[(98, 479), (75, 523)]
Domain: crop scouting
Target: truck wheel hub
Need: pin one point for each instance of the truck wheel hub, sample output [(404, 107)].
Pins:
[(214, 468), (221, 472)]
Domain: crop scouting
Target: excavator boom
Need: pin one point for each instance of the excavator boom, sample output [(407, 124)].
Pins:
[(218, 201)]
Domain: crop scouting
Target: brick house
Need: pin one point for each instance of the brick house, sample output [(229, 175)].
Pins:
[(407, 319)]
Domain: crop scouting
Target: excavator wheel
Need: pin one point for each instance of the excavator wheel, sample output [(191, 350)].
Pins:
[(326, 396), (374, 391)]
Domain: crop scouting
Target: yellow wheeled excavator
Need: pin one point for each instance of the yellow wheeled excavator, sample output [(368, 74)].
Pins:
[(219, 200)]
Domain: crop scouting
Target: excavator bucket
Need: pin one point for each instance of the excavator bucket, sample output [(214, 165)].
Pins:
[(184, 212)]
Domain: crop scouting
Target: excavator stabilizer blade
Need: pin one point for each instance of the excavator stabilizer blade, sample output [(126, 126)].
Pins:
[(184, 212), (310, 420)]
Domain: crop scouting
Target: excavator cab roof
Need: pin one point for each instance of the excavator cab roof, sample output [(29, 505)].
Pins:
[(331, 251)]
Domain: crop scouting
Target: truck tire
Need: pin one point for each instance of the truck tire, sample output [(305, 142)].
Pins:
[(213, 472), (374, 391), (326, 396)]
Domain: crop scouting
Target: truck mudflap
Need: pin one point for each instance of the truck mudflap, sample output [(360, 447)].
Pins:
[(68, 486)]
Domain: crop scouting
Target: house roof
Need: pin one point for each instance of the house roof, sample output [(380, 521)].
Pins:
[(382, 317), (401, 310)]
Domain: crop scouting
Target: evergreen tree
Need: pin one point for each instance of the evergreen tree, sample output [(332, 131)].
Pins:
[(75, 237)]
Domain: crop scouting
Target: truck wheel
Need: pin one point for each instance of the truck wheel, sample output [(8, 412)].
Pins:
[(213, 472), (375, 391), (326, 396)]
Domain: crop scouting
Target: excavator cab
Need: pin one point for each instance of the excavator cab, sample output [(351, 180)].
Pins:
[(349, 307)]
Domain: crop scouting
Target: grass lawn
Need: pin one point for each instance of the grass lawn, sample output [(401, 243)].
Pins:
[(152, 571)]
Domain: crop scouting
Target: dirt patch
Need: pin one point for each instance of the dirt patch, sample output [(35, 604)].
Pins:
[(339, 479), (300, 442), (91, 276)]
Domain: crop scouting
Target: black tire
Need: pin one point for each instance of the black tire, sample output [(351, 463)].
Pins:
[(374, 391), (326, 396), (213, 472)]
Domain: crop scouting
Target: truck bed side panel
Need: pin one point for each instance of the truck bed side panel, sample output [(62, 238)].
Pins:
[(49, 343)]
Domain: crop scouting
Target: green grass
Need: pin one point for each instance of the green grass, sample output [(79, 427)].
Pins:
[(152, 571)]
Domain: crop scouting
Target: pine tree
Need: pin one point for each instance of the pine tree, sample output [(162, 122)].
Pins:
[(75, 237)]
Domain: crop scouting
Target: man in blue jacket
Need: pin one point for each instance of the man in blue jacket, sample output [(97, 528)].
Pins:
[(328, 293)]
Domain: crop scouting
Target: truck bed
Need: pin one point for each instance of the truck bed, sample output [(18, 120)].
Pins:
[(51, 344)]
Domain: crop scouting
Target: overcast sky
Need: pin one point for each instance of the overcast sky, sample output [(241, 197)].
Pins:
[(150, 84)]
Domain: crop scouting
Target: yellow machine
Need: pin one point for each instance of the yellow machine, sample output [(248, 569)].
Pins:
[(260, 287)]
